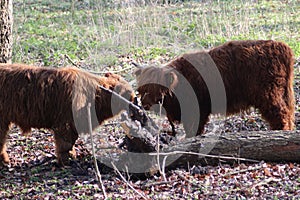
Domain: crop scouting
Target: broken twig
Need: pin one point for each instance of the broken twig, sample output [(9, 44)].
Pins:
[(93, 151)]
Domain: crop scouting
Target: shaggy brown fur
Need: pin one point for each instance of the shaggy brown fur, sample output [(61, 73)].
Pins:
[(36, 97), (254, 73)]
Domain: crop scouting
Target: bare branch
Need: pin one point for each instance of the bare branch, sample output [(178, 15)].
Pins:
[(71, 61), (98, 174), (204, 155)]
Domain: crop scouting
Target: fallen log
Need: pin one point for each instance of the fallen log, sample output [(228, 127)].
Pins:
[(268, 146), (272, 146), (150, 150)]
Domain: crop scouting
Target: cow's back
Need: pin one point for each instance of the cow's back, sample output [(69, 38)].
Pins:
[(249, 68), (35, 96)]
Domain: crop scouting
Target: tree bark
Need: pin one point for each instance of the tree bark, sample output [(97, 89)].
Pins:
[(6, 23), (268, 146), (272, 146), (253, 146)]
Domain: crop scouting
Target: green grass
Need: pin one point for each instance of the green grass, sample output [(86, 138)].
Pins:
[(95, 33)]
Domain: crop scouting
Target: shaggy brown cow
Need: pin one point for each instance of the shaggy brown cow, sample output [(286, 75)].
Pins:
[(254, 73), (56, 99)]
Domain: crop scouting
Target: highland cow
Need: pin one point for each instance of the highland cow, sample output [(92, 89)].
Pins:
[(56, 99), (254, 73)]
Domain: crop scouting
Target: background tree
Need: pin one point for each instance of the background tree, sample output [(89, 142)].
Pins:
[(6, 23)]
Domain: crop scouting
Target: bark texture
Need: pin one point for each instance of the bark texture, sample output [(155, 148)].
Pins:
[(6, 24), (272, 146), (251, 146)]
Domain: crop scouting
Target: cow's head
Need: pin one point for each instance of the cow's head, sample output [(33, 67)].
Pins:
[(112, 95), (120, 86), (154, 84)]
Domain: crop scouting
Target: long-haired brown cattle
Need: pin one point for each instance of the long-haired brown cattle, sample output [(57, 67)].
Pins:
[(254, 73), (56, 99)]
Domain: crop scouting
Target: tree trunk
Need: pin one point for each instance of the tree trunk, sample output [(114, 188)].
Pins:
[(6, 23), (272, 146), (254, 146)]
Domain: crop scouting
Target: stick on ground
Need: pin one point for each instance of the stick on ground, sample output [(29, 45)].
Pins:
[(98, 174)]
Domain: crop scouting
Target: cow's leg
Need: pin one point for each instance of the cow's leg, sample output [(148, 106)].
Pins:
[(275, 110), (173, 128), (289, 99), (65, 138), (203, 120), (194, 128), (3, 133)]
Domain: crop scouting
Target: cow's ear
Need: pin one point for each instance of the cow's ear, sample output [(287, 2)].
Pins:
[(138, 72), (172, 80)]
